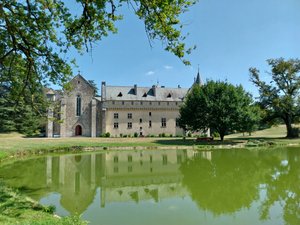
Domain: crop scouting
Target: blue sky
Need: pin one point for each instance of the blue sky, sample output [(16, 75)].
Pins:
[(231, 36)]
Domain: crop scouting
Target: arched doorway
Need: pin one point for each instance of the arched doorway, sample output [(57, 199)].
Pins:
[(78, 130)]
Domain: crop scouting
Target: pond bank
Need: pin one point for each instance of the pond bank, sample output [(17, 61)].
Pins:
[(16, 208), (11, 148)]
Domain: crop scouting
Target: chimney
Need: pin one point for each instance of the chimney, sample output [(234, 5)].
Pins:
[(154, 90), (103, 91), (135, 89)]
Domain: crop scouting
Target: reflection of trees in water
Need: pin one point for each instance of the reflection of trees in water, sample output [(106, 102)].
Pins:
[(283, 185), (27, 177), (223, 185), (230, 182)]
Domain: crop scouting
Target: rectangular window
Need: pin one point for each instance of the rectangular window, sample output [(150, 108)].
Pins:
[(132, 103), (168, 103), (129, 125), (116, 125), (113, 102), (116, 115), (150, 123), (177, 122), (129, 115), (130, 158), (150, 114), (141, 103), (151, 159), (163, 122), (158, 103), (150, 103), (129, 169), (141, 120), (123, 102)]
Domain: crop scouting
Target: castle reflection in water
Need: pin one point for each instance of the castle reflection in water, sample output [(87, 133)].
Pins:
[(122, 176)]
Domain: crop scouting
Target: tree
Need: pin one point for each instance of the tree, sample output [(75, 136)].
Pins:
[(252, 118), (280, 97), (94, 85), (22, 113), (220, 106), (41, 32)]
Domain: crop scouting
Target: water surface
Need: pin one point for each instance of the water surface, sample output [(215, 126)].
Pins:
[(167, 187)]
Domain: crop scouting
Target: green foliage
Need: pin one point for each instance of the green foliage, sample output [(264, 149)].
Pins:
[(24, 114), (280, 97), (251, 119), (93, 83), (219, 106), (135, 134), (162, 135), (36, 35)]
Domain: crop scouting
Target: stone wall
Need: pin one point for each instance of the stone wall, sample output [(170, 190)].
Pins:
[(140, 121), (85, 90)]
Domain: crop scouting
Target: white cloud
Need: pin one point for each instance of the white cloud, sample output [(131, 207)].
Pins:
[(167, 67), (149, 73)]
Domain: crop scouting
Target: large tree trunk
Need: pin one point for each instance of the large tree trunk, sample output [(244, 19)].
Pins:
[(289, 128), (222, 134)]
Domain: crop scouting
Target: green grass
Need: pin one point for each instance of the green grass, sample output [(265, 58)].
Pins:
[(273, 132), (16, 145)]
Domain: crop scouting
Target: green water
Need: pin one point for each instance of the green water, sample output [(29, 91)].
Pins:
[(167, 187)]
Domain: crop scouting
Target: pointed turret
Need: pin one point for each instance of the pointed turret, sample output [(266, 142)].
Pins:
[(198, 79)]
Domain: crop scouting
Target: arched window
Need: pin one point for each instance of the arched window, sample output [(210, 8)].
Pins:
[(78, 105)]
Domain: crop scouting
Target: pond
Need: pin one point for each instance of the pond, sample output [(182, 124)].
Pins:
[(167, 187)]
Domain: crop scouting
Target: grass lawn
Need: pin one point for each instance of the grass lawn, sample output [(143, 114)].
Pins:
[(12, 144)]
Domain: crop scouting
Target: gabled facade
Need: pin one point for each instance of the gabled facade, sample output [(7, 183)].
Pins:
[(121, 110)]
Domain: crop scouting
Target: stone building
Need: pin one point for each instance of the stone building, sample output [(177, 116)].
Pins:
[(120, 110)]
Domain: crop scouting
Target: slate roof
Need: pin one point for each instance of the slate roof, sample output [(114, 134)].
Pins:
[(121, 93)]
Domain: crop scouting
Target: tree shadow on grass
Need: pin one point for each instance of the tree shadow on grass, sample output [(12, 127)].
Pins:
[(191, 142), (249, 138)]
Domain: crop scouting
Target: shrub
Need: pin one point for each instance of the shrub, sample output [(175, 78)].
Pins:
[(163, 135), (136, 134), (171, 135), (215, 134), (189, 134), (121, 135), (107, 134)]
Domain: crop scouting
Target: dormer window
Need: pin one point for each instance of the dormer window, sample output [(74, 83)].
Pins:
[(145, 94), (169, 95), (120, 94)]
